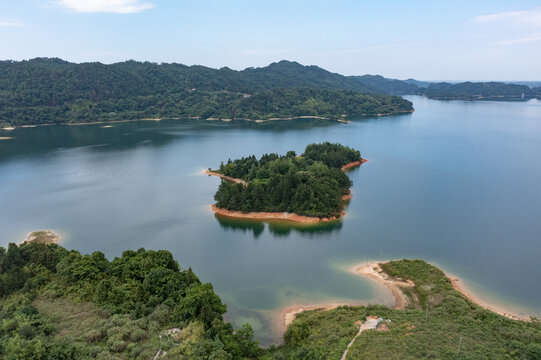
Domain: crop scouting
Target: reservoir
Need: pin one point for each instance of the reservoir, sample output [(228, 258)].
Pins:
[(455, 183)]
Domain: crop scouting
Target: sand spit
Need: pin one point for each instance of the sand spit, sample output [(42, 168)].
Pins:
[(6, 138), (225, 177), (374, 271), (281, 216)]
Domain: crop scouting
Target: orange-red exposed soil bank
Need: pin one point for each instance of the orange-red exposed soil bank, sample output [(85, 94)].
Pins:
[(283, 216), (353, 164)]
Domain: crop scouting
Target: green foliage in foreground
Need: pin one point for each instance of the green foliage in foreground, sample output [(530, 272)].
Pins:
[(485, 335), (59, 304), (310, 185)]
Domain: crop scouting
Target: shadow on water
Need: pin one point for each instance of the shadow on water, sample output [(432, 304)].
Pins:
[(278, 228), (256, 227)]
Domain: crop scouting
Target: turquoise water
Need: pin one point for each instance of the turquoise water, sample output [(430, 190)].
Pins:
[(454, 183)]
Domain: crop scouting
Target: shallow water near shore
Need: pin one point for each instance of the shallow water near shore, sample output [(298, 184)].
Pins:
[(455, 183)]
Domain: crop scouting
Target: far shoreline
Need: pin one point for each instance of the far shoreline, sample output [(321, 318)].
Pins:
[(340, 119)]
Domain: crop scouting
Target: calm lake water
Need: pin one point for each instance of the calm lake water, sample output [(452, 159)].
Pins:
[(455, 183)]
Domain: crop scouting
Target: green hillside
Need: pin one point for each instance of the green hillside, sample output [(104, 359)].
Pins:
[(51, 91)]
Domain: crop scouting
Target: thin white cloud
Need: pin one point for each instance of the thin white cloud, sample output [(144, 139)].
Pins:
[(10, 23), (106, 6), (525, 17), (521, 40)]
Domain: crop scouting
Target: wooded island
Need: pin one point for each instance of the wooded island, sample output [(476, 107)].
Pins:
[(310, 185)]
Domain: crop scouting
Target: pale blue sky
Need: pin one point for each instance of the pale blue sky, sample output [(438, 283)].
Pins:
[(428, 40)]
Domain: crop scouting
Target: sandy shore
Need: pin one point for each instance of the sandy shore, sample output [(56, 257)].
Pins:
[(6, 138), (228, 178), (372, 270), (282, 216), (498, 309)]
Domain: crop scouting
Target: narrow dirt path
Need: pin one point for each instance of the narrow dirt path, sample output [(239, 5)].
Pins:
[(228, 178), (370, 323)]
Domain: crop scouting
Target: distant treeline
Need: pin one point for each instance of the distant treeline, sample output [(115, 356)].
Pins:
[(45, 90), (311, 185), (481, 91)]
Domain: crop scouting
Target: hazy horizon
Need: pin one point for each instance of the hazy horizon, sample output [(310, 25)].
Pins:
[(486, 40)]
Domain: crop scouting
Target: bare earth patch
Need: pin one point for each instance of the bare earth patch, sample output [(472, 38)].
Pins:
[(43, 237)]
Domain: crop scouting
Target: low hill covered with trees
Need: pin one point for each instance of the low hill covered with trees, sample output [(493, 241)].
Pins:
[(60, 304), (481, 91), (311, 185), (52, 91)]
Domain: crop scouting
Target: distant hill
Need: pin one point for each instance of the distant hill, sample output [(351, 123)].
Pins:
[(481, 91), (51, 90), (378, 83)]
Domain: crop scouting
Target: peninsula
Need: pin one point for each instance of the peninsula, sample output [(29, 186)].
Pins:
[(310, 188), (432, 318)]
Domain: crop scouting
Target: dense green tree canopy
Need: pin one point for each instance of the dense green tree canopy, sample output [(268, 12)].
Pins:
[(312, 184), (124, 306), (49, 91), (481, 90)]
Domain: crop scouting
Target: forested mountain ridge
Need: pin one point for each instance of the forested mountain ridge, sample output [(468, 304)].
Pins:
[(44, 90)]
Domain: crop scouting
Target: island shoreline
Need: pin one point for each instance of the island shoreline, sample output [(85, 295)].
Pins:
[(281, 216), (269, 216)]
